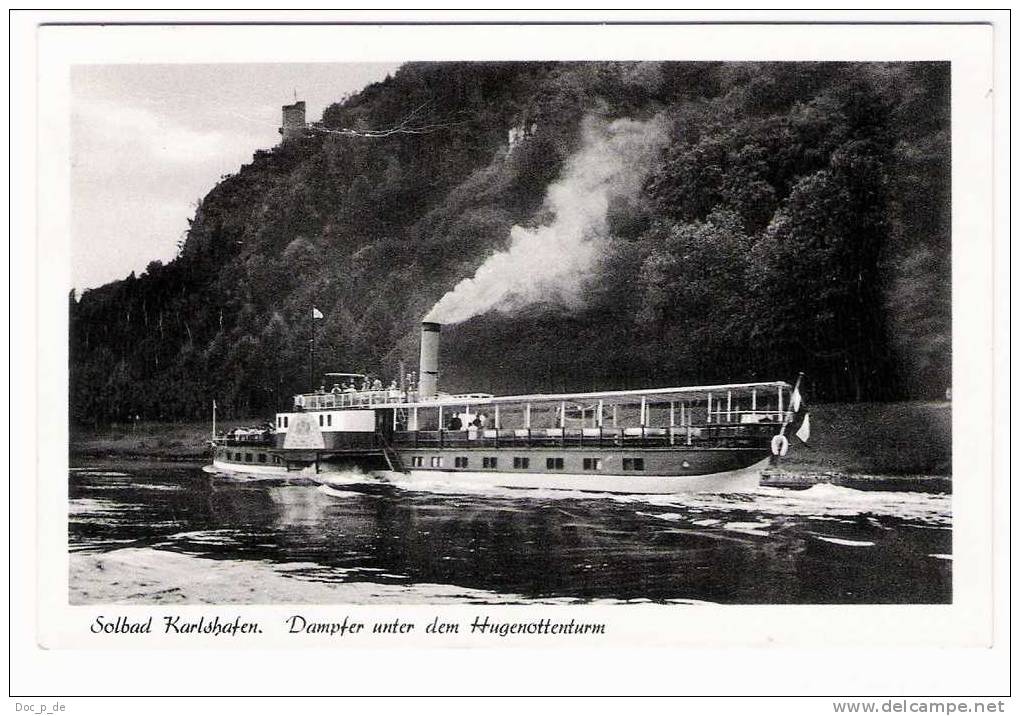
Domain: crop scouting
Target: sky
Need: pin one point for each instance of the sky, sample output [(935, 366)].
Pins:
[(149, 141)]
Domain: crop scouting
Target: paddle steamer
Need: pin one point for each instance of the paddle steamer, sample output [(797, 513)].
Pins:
[(662, 440)]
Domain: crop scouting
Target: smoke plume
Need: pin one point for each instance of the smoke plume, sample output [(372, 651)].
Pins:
[(550, 263)]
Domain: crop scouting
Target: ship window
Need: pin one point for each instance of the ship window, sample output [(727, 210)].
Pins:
[(285, 420), (262, 457), (276, 459), (237, 456), (489, 462), (437, 461), (321, 421), (521, 463), (593, 463), (417, 461), (634, 463), (554, 463), (329, 419), (247, 457), (460, 462)]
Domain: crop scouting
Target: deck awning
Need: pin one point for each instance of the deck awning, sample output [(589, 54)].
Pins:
[(615, 397)]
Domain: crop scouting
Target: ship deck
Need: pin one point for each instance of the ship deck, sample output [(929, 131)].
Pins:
[(409, 399)]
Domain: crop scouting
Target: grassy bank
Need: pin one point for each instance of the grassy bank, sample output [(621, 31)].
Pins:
[(870, 438), (148, 440), (876, 439)]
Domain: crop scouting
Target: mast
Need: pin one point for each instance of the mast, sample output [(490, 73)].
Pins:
[(796, 388), (311, 351)]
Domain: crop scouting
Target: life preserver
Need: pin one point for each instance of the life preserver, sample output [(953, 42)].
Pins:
[(780, 445)]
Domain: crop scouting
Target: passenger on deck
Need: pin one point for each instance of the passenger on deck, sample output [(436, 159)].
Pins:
[(350, 389), (336, 389), (455, 423), (376, 384), (477, 422), (393, 385)]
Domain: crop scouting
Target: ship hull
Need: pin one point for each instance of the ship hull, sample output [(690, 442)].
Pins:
[(740, 480), (223, 466), (720, 471)]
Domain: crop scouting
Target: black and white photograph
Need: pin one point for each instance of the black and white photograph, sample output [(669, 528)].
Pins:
[(511, 331), (459, 342)]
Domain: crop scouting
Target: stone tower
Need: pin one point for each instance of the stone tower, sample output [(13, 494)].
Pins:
[(293, 120)]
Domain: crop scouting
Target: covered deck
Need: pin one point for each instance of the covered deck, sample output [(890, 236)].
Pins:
[(728, 415)]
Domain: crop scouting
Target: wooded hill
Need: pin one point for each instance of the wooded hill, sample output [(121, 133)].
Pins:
[(797, 220)]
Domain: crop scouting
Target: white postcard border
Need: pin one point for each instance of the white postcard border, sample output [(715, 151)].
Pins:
[(968, 621)]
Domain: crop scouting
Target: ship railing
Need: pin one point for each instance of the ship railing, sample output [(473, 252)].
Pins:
[(349, 399), (754, 435), (262, 437)]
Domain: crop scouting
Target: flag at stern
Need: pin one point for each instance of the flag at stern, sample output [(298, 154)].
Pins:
[(804, 431)]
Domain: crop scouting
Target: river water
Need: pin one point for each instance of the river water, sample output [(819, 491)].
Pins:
[(144, 533)]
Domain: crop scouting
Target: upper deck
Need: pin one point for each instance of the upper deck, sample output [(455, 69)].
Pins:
[(324, 400), (333, 400), (686, 405)]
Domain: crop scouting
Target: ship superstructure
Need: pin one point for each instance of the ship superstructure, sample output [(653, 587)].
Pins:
[(649, 440)]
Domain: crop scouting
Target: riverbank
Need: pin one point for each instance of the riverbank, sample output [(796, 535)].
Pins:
[(885, 439), (892, 439), (148, 440)]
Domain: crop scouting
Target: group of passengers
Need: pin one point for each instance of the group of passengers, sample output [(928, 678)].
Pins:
[(259, 434), (478, 423), (352, 387)]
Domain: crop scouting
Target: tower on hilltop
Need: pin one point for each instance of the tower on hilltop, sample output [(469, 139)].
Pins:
[(294, 124)]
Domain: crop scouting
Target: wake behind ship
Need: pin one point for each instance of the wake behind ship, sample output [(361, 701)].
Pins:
[(659, 440)]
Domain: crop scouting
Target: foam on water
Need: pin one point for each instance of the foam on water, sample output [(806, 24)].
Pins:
[(846, 542), (463, 485), (748, 528), (92, 506), (351, 476), (181, 540), (819, 501), (822, 501), (134, 486), (145, 575), (333, 492), (86, 472)]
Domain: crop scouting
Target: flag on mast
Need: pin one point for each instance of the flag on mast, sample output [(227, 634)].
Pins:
[(316, 313), (804, 431)]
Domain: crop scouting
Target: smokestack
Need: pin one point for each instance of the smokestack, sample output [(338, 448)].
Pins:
[(428, 363)]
